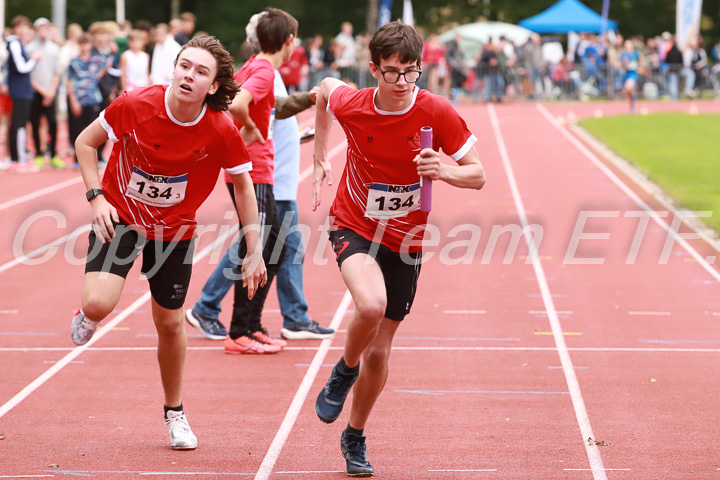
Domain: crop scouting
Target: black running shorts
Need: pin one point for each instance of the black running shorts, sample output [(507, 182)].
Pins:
[(401, 272), (167, 265)]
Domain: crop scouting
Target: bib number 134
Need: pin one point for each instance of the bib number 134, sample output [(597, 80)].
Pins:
[(156, 190), (392, 201)]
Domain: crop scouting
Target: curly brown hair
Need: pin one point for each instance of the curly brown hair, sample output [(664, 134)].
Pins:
[(228, 88)]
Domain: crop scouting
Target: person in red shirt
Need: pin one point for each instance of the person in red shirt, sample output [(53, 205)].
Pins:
[(295, 69), (253, 111), (170, 143), (378, 226)]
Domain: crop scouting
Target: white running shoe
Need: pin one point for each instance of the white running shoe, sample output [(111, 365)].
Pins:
[(82, 328), (181, 437)]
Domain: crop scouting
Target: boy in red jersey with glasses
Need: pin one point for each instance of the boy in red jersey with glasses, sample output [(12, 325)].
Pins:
[(377, 222)]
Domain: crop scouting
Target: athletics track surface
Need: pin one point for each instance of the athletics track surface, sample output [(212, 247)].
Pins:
[(517, 367)]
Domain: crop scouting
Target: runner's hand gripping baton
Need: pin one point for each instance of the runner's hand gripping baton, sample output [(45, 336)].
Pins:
[(425, 182)]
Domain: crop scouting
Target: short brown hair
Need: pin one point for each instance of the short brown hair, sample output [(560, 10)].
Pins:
[(396, 38), (273, 28), (86, 37), (225, 94), (137, 35), (20, 20)]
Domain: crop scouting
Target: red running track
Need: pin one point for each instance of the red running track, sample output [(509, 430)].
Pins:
[(510, 360)]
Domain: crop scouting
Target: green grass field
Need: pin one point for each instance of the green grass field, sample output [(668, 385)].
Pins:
[(679, 152)]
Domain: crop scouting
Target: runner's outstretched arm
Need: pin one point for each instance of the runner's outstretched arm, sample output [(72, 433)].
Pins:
[(253, 269), (323, 122)]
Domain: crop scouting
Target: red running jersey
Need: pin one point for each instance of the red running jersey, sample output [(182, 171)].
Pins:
[(257, 76), (380, 184), (161, 170)]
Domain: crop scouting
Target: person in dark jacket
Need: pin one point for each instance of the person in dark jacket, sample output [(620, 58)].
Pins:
[(20, 64), (674, 61), (454, 59)]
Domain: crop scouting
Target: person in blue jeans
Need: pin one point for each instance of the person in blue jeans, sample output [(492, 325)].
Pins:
[(297, 324)]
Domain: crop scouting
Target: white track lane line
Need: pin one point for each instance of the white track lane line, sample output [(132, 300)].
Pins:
[(291, 416), (581, 414), (396, 347), (294, 410), (628, 191), (35, 253), (77, 351), (40, 193)]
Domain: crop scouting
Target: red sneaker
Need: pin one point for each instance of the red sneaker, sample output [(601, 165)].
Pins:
[(262, 337), (246, 344)]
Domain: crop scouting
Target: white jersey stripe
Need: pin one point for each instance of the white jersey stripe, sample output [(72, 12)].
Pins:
[(108, 129), (329, 110), (464, 149), (245, 167), (122, 184)]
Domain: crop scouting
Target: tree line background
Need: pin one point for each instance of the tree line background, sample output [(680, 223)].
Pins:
[(226, 19)]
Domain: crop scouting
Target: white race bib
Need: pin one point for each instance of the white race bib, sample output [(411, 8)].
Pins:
[(156, 190), (392, 201)]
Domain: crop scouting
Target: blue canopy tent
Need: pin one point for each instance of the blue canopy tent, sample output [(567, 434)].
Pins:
[(567, 16)]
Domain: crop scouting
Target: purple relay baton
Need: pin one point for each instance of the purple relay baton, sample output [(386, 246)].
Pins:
[(425, 182)]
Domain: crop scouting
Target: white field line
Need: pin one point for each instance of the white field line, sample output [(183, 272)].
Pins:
[(587, 469), (25, 476), (77, 351), (628, 191), (291, 416), (40, 193), (306, 472), (395, 347), (464, 312), (467, 470), (38, 251), (593, 453), (655, 314)]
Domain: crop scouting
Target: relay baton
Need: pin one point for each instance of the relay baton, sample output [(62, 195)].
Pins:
[(425, 182)]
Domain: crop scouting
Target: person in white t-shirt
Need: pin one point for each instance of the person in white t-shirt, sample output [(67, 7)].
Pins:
[(165, 51), (345, 38), (134, 64)]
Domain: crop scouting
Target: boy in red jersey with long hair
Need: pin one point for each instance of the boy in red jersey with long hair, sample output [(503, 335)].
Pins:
[(377, 223), (170, 143)]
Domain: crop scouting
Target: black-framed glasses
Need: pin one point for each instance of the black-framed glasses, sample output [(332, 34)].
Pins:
[(393, 76)]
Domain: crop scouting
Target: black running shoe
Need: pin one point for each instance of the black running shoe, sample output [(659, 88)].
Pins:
[(330, 402), (354, 450)]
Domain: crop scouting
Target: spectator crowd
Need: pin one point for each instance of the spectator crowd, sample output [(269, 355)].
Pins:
[(46, 76), (586, 65)]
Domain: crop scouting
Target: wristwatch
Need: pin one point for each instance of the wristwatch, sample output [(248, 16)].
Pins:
[(92, 193)]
